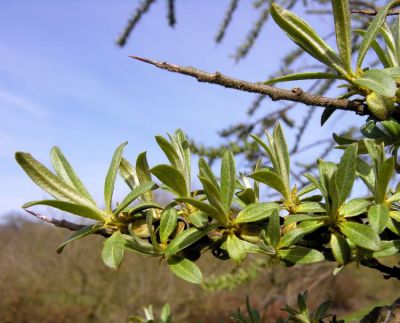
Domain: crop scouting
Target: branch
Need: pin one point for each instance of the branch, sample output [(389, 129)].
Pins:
[(295, 94), (388, 272), (64, 223), (374, 12)]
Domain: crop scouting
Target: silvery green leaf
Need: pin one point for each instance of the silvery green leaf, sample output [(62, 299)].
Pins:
[(300, 255), (362, 235), (340, 248), (48, 181), (199, 219), (170, 152), (341, 14), (205, 171), (293, 236), (142, 206), (306, 189), (171, 177), (385, 173), (274, 229), (256, 212), (213, 194), (379, 51), (371, 130), (228, 179), (354, 207), (185, 269), (128, 174), (206, 208), (112, 254), (388, 249), (282, 154), (294, 218), (377, 81), (85, 231), (378, 216), (111, 175), (269, 150), (366, 173), (372, 31), (247, 196), (270, 178), (390, 44), (134, 194), (169, 220), (303, 35), (89, 212), (65, 171), (310, 207), (346, 173), (304, 76), (235, 248)]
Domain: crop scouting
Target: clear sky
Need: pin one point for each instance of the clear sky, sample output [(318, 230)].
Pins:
[(64, 82)]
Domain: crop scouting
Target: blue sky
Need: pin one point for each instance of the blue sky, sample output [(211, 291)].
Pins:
[(64, 82)]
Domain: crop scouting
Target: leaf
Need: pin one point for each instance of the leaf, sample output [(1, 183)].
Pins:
[(256, 212), (310, 207), (185, 239), (293, 236), (111, 175), (365, 172), (303, 35), (89, 212), (235, 248), (388, 249), (274, 229), (165, 315), (183, 147), (300, 255), (128, 174), (205, 171), (134, 194), (385, 173), (270, 178), (85, 231), (362, 235), (390, 44), (372, 31), (170, 152), (282, 154), (294, 218), (378, 216), (340, 248), (185, 269), (143, 206), (341, 14), (133, 243), (370, 130), (48, 181), (199, 219), (377, 81), (213, 194), (377, 48), (171, 177), (354, 207), (268, 150), (247, 196), (111, 254), (304, 76), (206, 208), (326, 114), (346, 173), (65, 171), (306, 189), (228, 179), (169, 220)]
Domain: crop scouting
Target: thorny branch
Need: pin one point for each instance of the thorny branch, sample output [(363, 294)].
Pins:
[(295, 94)]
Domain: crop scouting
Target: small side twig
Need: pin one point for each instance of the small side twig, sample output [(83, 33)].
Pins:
[(64, 223), (295, 95), (374, 12)]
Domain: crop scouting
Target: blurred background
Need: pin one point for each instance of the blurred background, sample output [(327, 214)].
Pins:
[(64, 81)]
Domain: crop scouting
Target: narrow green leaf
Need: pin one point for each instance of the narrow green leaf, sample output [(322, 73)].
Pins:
[(185, 239), (111, 254), (362, 235), (185, 269), (247, 196), (235, 249), (270, 178), (169, 220), (206, 208), (390, 44), (365, 172), (205, 171), (304, 76), (346, 173), (310, 207), (268, 150), (133, 243), (274, 229), (371, 131), (379, 51), (128, 174), (77, 209), (303, 35), (378, 216), (372, 31), (306, 189), (295, 235), (48, 181), (340, 248), (65, 171), (111, 175), (354, 207), (294, 218), (388, 249), (326, 114), (213, 194), (170, 152), (171, 177), (256, 212), (377, 81), (341, 14), (282, 154), (143, 206), (300, 255), (85, 231), (134, 194), (228, 179), (199, 219), (385, 173)]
